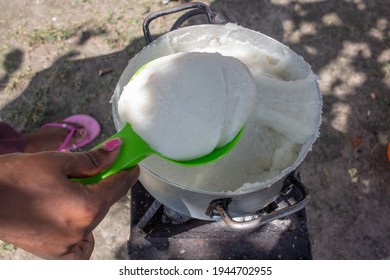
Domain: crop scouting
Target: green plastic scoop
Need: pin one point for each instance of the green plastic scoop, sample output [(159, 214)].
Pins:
[(134, 149)]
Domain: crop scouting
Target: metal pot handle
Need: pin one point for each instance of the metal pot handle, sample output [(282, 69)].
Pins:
[(221, 207), (199, 8)]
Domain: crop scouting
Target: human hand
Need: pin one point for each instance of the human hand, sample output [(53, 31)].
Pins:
[(42, 211)]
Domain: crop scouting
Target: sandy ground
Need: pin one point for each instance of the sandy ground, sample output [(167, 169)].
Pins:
[(58, 56)]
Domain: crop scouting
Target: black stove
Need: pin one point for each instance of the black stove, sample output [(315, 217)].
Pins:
[(158, 232)]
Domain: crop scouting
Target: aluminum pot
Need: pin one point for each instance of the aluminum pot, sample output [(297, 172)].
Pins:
[(170, 184)]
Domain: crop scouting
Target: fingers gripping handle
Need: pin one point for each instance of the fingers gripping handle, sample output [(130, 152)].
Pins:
[(132, 151)]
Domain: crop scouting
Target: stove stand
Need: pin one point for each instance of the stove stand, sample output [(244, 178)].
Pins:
[(158, 232)]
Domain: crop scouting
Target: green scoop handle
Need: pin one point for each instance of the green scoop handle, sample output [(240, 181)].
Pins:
[(134, 149)]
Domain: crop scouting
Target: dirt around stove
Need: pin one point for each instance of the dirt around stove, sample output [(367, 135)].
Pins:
[(64, 57)]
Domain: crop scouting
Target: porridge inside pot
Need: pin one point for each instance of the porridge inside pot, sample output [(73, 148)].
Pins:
[(282, 128)]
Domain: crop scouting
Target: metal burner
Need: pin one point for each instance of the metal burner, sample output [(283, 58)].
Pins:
[(158, 232)]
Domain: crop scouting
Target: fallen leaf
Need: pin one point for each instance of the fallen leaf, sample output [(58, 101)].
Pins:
[(373, 96), (104, 71), (388, 152), (353, 174), (356, 142)]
